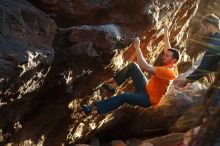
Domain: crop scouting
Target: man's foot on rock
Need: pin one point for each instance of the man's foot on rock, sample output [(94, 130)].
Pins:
[(86, 108)]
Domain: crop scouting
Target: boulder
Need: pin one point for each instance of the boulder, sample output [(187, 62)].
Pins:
[(26, 49)]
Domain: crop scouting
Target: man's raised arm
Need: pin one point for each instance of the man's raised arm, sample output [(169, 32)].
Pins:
[(166, 39), (141, 61)]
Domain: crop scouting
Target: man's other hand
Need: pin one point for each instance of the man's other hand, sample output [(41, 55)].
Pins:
[(181, 84), (137, 42), (165, 28)]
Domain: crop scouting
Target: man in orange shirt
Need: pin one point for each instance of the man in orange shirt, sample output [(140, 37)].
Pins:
[(147, 93)]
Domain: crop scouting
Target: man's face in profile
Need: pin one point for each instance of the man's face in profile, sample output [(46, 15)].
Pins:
[(207, 29)]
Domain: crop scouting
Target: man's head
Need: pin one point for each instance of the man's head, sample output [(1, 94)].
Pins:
[(171, 56), (210, 24)]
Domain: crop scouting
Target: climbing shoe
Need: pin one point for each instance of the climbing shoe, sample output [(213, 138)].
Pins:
[(86, 108)]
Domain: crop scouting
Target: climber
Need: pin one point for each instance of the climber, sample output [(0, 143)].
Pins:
[(147, 94), (210, 28)]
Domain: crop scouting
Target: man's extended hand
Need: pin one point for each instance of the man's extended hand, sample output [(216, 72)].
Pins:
[(181, 84), (166, 28), (166, 38), (137, 42)]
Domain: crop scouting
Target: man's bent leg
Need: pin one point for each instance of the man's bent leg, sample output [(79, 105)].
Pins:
[(140, 99), (114, 102), (132, 70), (107, 105)]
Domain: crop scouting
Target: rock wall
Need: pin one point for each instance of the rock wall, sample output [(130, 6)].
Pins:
[(55, 54), (27, 52)]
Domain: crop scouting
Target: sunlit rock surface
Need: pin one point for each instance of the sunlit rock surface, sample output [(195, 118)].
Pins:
[(64, 49)]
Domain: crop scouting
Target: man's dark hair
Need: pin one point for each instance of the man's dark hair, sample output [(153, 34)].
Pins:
[(176, 53), (211, 19)]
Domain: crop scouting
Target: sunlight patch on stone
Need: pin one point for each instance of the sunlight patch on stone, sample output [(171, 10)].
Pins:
[(105, 120), (31, 85), (95, 96), (32, 62), (17, 125), (1, 136), (118, 61), (92, 126), (78, 132), (41, 140)]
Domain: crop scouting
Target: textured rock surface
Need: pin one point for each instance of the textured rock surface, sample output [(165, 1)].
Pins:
[(26, 48), (168, 140), (88, 43)]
